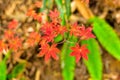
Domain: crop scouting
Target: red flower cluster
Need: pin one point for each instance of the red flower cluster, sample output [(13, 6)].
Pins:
[(79, 52), (50, 30), (81, 32), (10, 40), (46, 35), (35, 16)]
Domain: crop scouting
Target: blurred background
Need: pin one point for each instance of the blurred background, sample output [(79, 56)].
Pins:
[(36, 68)]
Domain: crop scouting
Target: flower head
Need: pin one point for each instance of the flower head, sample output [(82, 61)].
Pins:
[(33, 38), (75, 30), (79, 52), (49, 51), (86, 33), (15, 43), (3, 46), (13, 24)]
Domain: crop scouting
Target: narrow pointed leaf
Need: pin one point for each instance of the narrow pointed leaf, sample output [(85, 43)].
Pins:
[(68, 62), (62, 11), (18, 69), (68, 8), (94, 62), (107, 36), (3, 70)]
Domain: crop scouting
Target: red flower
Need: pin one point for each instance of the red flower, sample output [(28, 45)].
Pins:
[(49, 38), (30, 12), (3, 46), (61, 30), (15, 43), (34, 15), (54, 14), (75, 30), (13, 24), (34, 37), (79, 52), (49, 51), (48, 32), (9, 34), (86, 33), (37, 17)]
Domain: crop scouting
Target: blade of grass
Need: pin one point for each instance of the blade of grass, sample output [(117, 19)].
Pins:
[(107, 36), (94, 63)]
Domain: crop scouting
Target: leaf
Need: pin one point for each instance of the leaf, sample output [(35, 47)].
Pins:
[(107, 36), (62, 11), (68, 62), (58, 38), (47, 4), (68, 8), (3, 70), (94, 62), (18, 69)]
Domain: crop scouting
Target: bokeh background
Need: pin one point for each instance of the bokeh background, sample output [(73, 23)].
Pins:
[(36, 68)]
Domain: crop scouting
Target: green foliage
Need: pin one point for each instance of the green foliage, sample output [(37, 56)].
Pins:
[(61, 8), (94, 63), (68, 8), (107, 36), (47, 4), (68, 62), (18, 69), (3, 70), (58, 38)]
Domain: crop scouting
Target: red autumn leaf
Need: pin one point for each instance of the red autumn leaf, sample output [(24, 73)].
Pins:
[(8, 34), (3, 46), (86, 33), (54, 14), (15, 43), (30, 12), (79, 52), (33, 38), (61, 30), (75, 30), (13, 24), (49, 51), (37, 17), (47, 28), (49, 38), (48, 32)]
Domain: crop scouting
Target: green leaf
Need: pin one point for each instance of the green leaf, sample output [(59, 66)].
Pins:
[(18, 69), (94, 62), (47, 4), (3, 70), (58, 38), (68, 8), (107, 36), (61, 8), (68, 62)]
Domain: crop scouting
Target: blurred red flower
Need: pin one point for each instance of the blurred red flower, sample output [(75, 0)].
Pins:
[(49, 51), (79, 52), (33, 38), (86, 33), (15, 43), (9, 34), (3, 46), (75, 30), (13, 24)]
